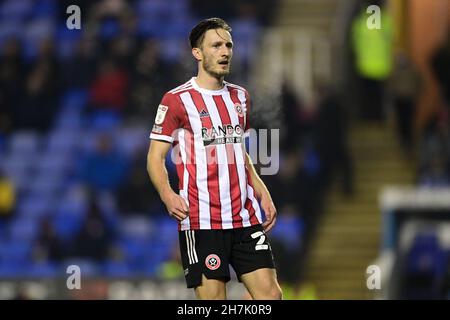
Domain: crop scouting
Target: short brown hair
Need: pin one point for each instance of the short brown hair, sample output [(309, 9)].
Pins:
[(198, 32)]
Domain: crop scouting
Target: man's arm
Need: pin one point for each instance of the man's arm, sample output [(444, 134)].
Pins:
[(156, 167), (262, 193)]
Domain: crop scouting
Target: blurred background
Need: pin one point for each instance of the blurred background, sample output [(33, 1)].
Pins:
[(363, 116)]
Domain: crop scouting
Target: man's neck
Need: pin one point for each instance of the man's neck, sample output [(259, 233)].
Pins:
[(206, 81)]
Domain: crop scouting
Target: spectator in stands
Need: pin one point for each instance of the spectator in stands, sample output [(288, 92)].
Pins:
[(373, 57), (38, 102), (404, 85), (149, 79), (291, 107), (435, 174), (137, 195), (109, 89), (79, 71), (94, 239), (7, 197), (104, 169), (440, 66), (12, 74), (48, 246), (331, 135)]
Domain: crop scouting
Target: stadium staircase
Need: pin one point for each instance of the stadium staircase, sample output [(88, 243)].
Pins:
[(347, 239), (349, 233)]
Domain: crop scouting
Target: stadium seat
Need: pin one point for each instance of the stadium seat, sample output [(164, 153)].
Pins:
[(67, 225), (42, 269), (24, 143), (15, 251), (44, 8), (130, 140), (24, 228), (15, 9), (10, 30), (88, 268), (11, 270), (425, 268), (136, 227), (115, 268), (62, 142), (35, 206), (74, 99)]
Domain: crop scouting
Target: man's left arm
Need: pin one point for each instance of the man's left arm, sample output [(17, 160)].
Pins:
[(263, 195)]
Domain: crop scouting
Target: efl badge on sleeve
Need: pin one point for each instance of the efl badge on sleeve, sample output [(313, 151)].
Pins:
[(161, 114)]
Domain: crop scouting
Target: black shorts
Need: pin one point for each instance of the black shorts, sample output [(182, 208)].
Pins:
[(210, 252)]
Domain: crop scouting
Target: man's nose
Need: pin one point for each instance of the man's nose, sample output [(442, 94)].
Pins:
[(226, 52)]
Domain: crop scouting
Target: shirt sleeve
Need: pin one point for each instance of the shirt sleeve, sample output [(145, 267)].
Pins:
[(247, 108), (167, 120)]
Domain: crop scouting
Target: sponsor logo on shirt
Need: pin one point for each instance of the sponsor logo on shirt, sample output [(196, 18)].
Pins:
[(161, 114), (222, 135)]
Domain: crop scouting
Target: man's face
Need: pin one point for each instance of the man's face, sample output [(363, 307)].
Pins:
[(217, 51)]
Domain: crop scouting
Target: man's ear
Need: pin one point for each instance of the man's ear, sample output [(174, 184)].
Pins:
[(197, 53)]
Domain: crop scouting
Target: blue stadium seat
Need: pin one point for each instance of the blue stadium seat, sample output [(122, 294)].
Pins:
[(11, 270), (115, 268), (15, 9), (133, 251), (45, 8), (66, 41), (73, 202), (109, 29), (15, 251), (62, 142), (67, 225), (54, 162), (35, 206), (24, 229), (136, 227), (289, 230), (24, 143), (88, 268), (69, 119), (425, 268), (47, 184), (130, 140), (36, 31), (10, 30), (42, 269), (74, 99), (104, 120), (166, 230)]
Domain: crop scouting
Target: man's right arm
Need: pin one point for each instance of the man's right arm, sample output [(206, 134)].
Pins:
[(156, 167)]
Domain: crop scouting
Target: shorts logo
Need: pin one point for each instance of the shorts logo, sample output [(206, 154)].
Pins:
[(161, 114), (238, 108), (212, 262)]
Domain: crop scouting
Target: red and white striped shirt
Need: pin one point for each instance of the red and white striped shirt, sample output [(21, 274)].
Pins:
[(206, 128)]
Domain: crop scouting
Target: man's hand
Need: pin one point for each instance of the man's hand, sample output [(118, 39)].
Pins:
[(176, 205), (270, 211)]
